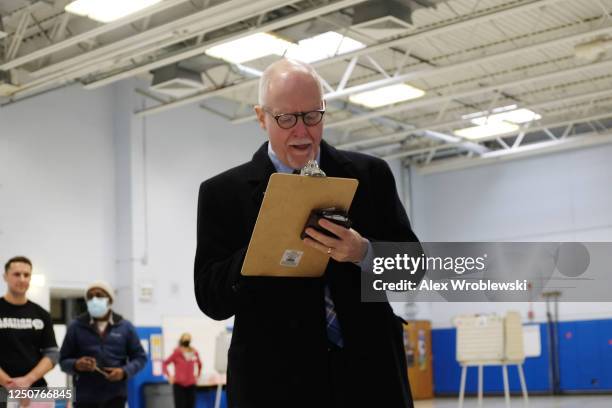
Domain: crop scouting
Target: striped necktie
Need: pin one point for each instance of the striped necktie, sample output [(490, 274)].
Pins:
[(334, 334)]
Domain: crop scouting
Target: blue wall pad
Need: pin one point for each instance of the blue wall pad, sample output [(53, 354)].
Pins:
[(585, 358), (206, 398), (145, 376), (585, 355)]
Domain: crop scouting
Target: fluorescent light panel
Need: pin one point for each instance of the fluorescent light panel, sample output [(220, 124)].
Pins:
[(259, 45), (106, 11), (490, 129), (322, 46), (515, 116), (386, 95), (504, 120), (249, 48)]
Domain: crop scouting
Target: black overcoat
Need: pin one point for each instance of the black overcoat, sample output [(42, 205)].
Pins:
[(279, 351)]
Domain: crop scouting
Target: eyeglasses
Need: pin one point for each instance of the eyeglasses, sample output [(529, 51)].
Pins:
[(289, 120)]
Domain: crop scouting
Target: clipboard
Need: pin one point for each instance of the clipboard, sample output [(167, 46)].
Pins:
[(276, 248)]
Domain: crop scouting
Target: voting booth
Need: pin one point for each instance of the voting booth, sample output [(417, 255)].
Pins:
[(484, 340)]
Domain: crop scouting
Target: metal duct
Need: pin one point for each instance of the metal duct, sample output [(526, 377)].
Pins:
[(387, 18), (174, 81)]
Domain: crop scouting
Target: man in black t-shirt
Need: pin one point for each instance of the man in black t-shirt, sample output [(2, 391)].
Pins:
[(27, 342)]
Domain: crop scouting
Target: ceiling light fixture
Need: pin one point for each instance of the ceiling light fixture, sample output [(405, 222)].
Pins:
[(249, 48), (515, 116), (107, 10), (502, 120), (386, 95), (322, 46), (489, 129)]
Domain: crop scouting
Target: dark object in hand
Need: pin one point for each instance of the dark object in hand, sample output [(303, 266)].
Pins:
[(339, 217)]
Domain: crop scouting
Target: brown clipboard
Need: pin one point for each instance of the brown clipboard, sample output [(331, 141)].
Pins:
[(276, 248)]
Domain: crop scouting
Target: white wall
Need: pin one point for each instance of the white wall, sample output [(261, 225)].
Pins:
[(183, 148), (57, 185), (90, 191), (561, 197)]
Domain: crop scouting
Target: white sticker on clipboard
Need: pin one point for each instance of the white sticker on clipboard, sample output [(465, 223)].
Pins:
[(291, 258)]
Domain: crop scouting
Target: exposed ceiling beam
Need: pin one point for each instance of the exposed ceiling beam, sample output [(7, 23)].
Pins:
[(558, 124), (419, 103), (161, 36), (533, 149), (83, 37), (213, 17), (415, 37), (434, 71), (199, 49), (394, 137)]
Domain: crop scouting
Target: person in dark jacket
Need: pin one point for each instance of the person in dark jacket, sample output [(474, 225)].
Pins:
[(101, 350), (302, 342)]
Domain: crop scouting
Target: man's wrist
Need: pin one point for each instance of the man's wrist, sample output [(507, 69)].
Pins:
[(364, 251), (31, 377)]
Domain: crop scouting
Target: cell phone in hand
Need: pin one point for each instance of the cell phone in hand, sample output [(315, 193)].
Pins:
[(339, 217)]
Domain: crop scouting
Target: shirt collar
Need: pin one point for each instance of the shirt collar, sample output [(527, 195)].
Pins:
[(280, 166)]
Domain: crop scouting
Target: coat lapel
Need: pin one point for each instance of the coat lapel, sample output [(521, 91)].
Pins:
[(260, 170), (333, 162)]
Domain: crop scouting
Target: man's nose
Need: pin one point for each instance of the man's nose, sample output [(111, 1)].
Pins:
[(300, 128)]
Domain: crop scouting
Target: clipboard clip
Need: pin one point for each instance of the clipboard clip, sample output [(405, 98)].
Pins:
[(312, 169)]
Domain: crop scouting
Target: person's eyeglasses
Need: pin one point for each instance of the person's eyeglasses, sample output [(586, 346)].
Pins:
[(289, 120)]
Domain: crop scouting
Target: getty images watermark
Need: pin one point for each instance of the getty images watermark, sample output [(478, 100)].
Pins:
[(487, 271)]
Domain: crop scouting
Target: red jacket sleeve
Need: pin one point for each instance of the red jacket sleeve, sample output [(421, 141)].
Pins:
[(167, 361)]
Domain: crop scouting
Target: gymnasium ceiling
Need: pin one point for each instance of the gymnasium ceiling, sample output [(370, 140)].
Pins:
[(473, 59)]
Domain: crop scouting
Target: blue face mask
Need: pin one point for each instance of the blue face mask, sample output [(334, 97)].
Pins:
[(97, 307)]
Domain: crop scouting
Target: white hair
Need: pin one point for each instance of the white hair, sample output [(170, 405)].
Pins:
[(285, 65)]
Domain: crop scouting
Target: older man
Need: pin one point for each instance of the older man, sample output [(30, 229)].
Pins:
[(302, 342)]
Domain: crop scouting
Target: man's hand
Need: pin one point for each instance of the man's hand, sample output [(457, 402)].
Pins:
[(20, 382), (171, 379), (350, 247), (114, 374), (85, 364)]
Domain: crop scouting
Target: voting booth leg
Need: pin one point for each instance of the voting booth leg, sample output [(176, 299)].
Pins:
[(480, 385), (523, 385), (218, 396), (506, 388), (462, 386)]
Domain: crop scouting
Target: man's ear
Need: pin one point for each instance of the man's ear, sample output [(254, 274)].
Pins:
[(261, 116)]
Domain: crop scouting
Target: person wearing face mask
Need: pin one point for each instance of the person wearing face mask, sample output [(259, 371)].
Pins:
[(187, 369), (101, 350)]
